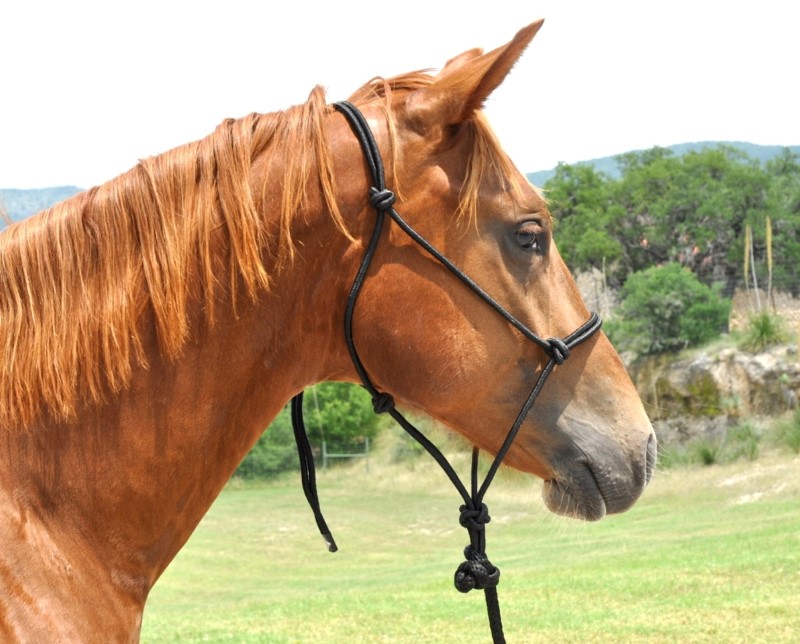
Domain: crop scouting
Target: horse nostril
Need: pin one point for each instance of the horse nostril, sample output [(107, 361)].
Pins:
[(650, 460)]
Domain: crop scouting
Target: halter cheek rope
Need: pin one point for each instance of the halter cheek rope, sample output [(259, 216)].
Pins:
[(476, 571)]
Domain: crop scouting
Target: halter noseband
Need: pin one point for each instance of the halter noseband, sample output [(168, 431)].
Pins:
[(476, 571)]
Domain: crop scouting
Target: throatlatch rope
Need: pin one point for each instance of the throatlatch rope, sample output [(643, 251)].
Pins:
[(476, 571)]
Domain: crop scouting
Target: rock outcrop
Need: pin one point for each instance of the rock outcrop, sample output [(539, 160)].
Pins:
[(705, 393)]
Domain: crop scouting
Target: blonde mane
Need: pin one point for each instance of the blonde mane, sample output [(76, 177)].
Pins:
[(77, 280)]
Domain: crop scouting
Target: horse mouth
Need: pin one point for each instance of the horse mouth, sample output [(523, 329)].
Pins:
[(566, 498), (589, 490)]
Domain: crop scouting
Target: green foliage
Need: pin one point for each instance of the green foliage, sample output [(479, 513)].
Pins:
[(666, 308), (580, 202), (338, 413), (707, 450), (783, 201), (690, 210), (763, 330), (403, 448), (742, 441), (274, 453)]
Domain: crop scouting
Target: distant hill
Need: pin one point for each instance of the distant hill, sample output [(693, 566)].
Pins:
[(24, 203), (608, 165)]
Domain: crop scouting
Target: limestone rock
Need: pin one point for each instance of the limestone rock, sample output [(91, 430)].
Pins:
[(705, 392)]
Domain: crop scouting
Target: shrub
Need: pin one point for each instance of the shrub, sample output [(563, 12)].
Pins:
[(707, 451), (763, 330), (274, 453), (338, 413), (743, 441), (666, 308)]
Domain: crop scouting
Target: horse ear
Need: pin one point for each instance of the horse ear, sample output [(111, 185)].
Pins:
[(458, 61), (467, 81)]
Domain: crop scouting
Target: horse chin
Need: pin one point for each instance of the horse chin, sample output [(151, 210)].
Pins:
[(570, 500)]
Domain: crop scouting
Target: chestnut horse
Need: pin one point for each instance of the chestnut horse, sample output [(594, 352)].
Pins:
[(152, 327)]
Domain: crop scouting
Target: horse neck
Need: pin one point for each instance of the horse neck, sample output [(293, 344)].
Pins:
[(131, 479)]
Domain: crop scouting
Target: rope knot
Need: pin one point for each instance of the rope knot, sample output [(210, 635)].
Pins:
[(474, 519), (476, 572), (381, 199), (382, 403), (559, 351)]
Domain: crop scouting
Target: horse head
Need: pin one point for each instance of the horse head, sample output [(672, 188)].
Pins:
[(436, 347)]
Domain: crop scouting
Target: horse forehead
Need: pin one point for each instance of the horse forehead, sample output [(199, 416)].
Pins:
[(525, 198), (441, 181)]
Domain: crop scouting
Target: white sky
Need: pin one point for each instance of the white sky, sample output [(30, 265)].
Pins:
[(87, 88)]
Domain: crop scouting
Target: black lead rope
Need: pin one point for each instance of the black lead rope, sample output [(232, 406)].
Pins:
[(307, 474), (476, 571)]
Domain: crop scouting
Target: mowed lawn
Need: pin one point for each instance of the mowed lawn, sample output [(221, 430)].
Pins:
[(708, 555)]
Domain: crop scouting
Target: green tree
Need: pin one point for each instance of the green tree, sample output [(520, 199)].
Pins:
[(666, 308), (690, 210), (275, 451), (339, 413), (585, 216), (783, 205)]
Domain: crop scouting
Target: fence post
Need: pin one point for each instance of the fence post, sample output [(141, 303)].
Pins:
[(324, 455)]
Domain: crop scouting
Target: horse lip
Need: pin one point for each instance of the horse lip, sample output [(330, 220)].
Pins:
[(590, 479), (588, 489), (579, 500)]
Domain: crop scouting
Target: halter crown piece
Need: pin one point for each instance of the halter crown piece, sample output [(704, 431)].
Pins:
[(476, 571)]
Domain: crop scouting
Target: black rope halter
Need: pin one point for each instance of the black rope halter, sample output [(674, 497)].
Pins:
[(476, 571)]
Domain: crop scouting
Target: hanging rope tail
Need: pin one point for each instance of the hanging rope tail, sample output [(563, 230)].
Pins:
[(307, 473), (476, 571)]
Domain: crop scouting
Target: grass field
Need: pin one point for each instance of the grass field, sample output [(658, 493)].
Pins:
[(708, 555)]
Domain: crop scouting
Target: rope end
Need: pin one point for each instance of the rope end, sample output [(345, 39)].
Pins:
[(329, 542)]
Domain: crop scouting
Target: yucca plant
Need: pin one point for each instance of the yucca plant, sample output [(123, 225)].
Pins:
[(764, 329)]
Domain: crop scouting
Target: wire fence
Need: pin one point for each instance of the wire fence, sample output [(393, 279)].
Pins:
[(328, 456)]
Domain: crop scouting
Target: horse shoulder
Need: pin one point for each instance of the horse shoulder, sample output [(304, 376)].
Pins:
[(47, 591)]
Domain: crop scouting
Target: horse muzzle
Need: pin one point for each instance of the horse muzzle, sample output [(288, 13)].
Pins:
[(592, 478)]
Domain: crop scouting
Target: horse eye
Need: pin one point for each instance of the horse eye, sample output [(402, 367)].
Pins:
[(527, 236)]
